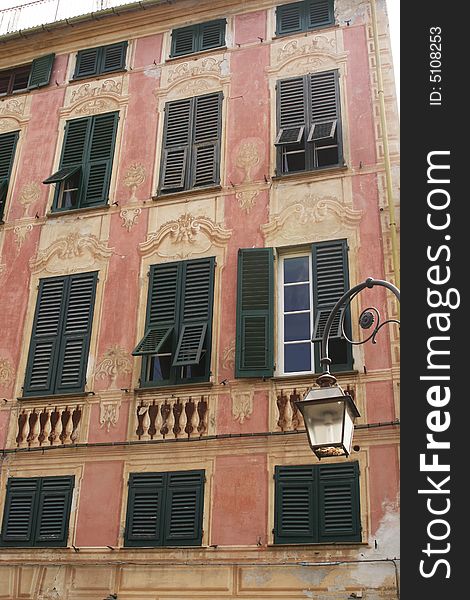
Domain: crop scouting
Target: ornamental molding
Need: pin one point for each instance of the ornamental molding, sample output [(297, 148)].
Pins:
[(94, 97), (109, 414), (185, 237), (96, 106), (193, 77), (7, 373), (114, 362), (216, 67), (249, 156), (133, 178), (228, 359), (247, 199), (294, 222), (318, 52), (21, 232), (29, 194), (13, 107), (242, 405), (9, 124), (129, 217), (71, 253)]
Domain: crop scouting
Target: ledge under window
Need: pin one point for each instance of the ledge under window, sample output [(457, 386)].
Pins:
[(192, 192), (73, 211)]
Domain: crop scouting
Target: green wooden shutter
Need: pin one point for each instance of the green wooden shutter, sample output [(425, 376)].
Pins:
[(113, 57), (41, 71), (206, 140), (339, 506), (19, 513), (196, 310), (211, 34), (320, 13), (324, 107), (330, 282), (289, 18), (295, 505), (76, 332), (183, 40), (176, 138), (144, 510), (8, 143), (75, 141), (87, 63), (255, 306), (54, 504), (291, 111), (184, 508), (99, 160), (162, 308), (45, 337)]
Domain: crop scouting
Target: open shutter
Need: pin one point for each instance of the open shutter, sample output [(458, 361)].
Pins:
[(206, 140), (255, 305), (76, 331), (183, 41), (8, 143), (144, 509), (44, 347), (40, 73), (54, 504), (196, 310), (295, 505), (291, 111), (162, 308), (211, 34), (324, 105), (184, 508), (320, 13), (289, 18), (113, 57), (19, 512), (87, 63), (175, 145), (339, 507), (99, 162)]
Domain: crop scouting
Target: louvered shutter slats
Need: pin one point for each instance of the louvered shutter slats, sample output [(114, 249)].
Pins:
[(53, 511), (184, 508), (100, 156), (104, 59), (212, 34), (8, 143), (183, 41), (319, 12), (113, 57), (144, 509), (76, 134), (196, 38), (254, 352), (176, 145), (289, 18), (323, 96), (87, 62), (302, 16), (40, 73), (18, 517)]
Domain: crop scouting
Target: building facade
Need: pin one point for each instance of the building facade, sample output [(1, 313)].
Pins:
[(186, 188)]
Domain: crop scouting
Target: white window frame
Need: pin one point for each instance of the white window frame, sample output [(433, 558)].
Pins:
[(280, 312)]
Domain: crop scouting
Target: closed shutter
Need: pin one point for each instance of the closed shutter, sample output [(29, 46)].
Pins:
[(212, 34), (76, 331), (54, 511), (19, 513), (320, 13), (184, 506), (196, 310), (324, 105), (87, 63), (8, 143), (100, 159), (330, 282), (40, 73), (183, 41), (291, 111), (339, 506), (289, 18), (144, 510), (162, 308), (44, 347), (176, 139), (295, 505), (255, 303), (206, 140), (75, 140), (113, 57)]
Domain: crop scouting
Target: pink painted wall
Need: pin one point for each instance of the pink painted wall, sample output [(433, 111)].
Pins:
[(118, 433), (240, 501), (99, 505), (384, 483), (250, 27), (257, 421)]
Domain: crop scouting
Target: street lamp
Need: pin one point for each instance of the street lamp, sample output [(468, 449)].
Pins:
[(328, 411)]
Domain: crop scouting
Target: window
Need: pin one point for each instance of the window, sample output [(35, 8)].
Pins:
[(165, 509), (204, 36), (309, 123), (317, 504), (303, 16), (191, 143), (8, 143), (26, 77), (96, 61), (86, 162), (37, 511), (60, 340), (176, 346), (309, 284)]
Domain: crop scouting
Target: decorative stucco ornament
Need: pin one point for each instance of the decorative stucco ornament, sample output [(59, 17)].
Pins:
[(29, 194), (115, 361), (21, 232), (133, 178), (6, 372), (242, 405), (109, 414), (247, 159), (129, 217)]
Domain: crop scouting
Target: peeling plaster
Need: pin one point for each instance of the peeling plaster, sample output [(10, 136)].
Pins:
[(153, 72)]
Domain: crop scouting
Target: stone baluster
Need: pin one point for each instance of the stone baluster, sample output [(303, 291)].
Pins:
[(158, 420), (146, 424), (202, 416), (66, 420), (296, 416), (54, 436), (141, 410), (76, 418), (281, 407), (153, 413), (45, 427), (22, 432), (34, 425), (177, 410), (189, 409), (165, 411)]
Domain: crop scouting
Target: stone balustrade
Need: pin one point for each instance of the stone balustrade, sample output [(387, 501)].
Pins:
[(50, 426)]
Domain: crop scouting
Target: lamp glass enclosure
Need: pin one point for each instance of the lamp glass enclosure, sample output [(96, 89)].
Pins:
[(329, 414)]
